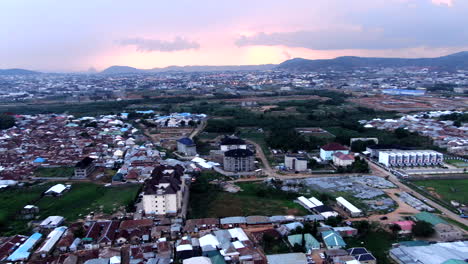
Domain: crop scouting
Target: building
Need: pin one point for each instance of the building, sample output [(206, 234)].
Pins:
[(84, 168), (333, 240), (362, 255), (295, 162), (51, 240), (418, 92), (289, 258), (57, 189), (327, 151), (186, 146), (163, 193), (348, 207), (405, 158), (406, 227), (230, 143), (23, 252), (430, 254), (239, 160), (443, 230), (310, 242), (52, 222), (343, 160)]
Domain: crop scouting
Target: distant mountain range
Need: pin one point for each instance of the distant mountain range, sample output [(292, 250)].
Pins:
[(127, 69), (17, 72), (449, 62)]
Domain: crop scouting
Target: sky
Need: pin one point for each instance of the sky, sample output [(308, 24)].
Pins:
[(76, 35)]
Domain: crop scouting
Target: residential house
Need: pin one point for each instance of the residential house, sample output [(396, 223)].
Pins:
[(239, 160), (342, 160), (186, 146), (327, 151), (333, 240), (443, 230), (295, 162), (84, 168)]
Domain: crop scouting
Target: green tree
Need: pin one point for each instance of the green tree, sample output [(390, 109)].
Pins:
[(423, 229), (6, 121)]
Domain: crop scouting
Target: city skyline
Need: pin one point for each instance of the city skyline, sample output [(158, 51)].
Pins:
[(52, 35)]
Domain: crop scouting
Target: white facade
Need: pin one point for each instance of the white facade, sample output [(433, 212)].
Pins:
[(295, 163), (403, 158), (353, 210), (160, 204), (225, 148)]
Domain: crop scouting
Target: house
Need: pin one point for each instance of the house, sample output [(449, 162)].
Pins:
[(51, 240), (348, 207), (289, 258), (443, 230), (345, 231), (186, 146), (23, 252), (234, 221), (84, 168), (295, 162), (52, 222), (196, 225), (333, 240), (101, 233), (405, 227), (327, 151), (342, 160), (29, 211), (239, 160), (309, 241), (163, 192), (57, 190), (8, 245), (362, 255)]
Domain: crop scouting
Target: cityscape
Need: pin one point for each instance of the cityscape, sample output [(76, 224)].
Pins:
[(313, 138)]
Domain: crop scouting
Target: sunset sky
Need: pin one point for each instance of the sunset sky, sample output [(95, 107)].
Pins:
[(74, 35)]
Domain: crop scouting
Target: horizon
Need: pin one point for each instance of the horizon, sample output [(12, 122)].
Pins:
[(55, 36)]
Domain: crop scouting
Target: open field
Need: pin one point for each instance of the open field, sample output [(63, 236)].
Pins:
[(446, 190), (60, 172), (457, 163), (82, 199), (208, 200)]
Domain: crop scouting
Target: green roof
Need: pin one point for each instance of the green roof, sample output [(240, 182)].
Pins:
[(414, 243), (310, 241), (430, 218), (333, 239), (454, 261), (217, 259)]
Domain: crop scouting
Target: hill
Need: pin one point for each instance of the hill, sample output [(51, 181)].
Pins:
[(449, 62), (17, 72), (129, 70)]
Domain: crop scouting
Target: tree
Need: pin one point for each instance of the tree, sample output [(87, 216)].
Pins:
[(362, 226), (401, 133), (6, 121), (457, 123), (334, 221), (423, 229), (395, 229)]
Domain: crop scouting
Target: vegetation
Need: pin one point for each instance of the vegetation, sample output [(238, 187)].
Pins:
[(359, 166), (82, 199), (447, 190), (209, 200), (60, 172), (422, 229), (6, 121), (274, 245)]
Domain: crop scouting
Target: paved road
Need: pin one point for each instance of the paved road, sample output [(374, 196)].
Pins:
[(199, 129), (404, 187)]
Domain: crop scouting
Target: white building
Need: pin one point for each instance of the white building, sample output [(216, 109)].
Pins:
[(51, 240), (295, 163), (327, 151), (52, 221), (230, 143), (349, 207), (404, 158), (163, 193)]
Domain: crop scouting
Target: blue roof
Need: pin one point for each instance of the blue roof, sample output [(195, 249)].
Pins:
[(186, 141), (145, 112), (37, 160), (23, 251), (333, 239)]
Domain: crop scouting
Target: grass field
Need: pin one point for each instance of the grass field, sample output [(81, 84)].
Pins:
[(457, 163), (208, 200), (446, 190), (82, 199), (60, 172)]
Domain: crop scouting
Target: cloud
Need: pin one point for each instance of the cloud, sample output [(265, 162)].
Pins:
[(150, 45), (355, 38), (448, 3)]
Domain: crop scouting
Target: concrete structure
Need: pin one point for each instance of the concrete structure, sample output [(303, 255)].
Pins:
[(239, 160), (350, 208), (295, 162), (163, 193), (288, 258), (84, 168), (343, 160), (443, 230), (430, 254), (405, 158), (186, 146), (230, 143), (327, 151)]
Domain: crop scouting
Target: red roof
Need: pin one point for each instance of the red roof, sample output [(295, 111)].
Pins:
[(405, 225), (334, 147)]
